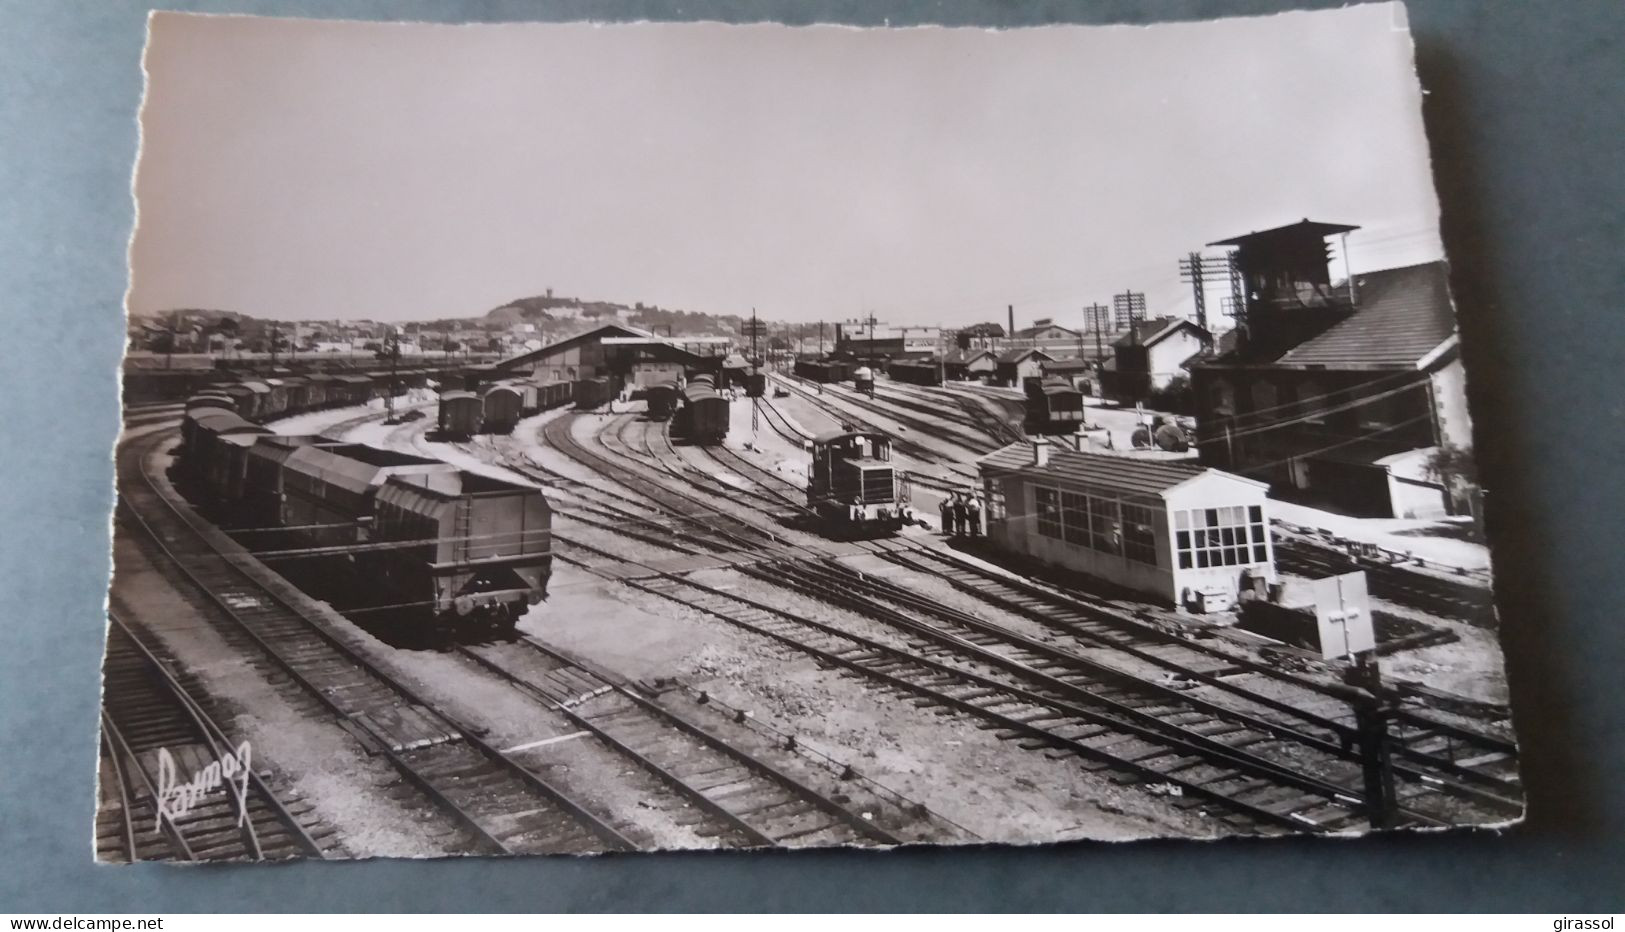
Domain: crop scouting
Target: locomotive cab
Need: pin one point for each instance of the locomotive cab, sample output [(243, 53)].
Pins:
[(853, 484)]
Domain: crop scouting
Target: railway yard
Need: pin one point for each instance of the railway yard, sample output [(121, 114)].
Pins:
[(711, 668)]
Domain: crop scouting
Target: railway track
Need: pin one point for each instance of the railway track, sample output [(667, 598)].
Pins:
[(955, 471), (502, 806), (1170, 737), (970, 413), (1432, 595), (1080, 671), (745, 800), (1252, 796), (148, 716), (1478, 757)]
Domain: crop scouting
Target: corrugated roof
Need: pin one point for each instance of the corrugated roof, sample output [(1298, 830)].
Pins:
[(1401, 315), (1069, 466)]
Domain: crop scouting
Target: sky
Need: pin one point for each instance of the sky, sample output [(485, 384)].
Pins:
[(311, 170)]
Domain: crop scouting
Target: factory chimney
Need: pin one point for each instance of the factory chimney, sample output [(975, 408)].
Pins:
[(1040, 451), (1011, 310)]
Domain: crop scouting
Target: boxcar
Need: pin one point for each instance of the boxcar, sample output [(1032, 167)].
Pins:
[(530, 396), (703, 415), (250, 398), (502, 404), (662, 398), (208, 453), (755, 382), (922, 372), (262, 491), (557, 393), (823, 370), (210, 399), (358, 389), (1053, 407), (486, 554), (591, 393), (460, 414)]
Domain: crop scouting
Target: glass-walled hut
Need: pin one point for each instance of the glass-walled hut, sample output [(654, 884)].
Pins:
[(1181, 534)]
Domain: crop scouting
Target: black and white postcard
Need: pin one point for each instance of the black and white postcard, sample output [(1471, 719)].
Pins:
[(571, 439)]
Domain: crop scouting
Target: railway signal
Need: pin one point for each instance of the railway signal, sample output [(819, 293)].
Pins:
[(1343, 616)]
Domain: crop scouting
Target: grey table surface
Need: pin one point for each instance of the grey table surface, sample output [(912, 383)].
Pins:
[(1527, 119)]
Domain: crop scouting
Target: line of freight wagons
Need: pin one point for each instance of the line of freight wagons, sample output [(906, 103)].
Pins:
[(444, 547)]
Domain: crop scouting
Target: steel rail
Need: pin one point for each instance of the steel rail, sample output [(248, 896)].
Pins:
[(1135, 629), (1061, 694), (169, 829), (901, 659), (845, 580), (219, 744), (126, 802), (535, 783)]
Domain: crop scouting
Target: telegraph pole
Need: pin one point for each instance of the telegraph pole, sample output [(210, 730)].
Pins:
[(1130, 307), (275, 332), (1097, 322)]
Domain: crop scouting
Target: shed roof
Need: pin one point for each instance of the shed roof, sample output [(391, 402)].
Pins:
[(1154, 331), (1289, 231), (965, 357), (1009, 357), (1127, 474), (1069, 365), (608, 330), (1400, 317)]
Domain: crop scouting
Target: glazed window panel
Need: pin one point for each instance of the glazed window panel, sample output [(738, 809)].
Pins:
[(1105, 531), (1047, 505), (1139, 534), (1075, 518), (995, 500), (1229, 536)]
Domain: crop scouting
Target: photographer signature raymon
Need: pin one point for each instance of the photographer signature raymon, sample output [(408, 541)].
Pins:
[(176, 799)]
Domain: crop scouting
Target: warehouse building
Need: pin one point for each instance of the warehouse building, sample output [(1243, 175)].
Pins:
[(1016, 366), (964, 365), (1177, 533)]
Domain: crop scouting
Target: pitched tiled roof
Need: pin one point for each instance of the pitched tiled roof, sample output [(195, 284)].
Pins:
[(1147, 332), (966, 356), (1017, 355), (1401, 315), (1072, 467)]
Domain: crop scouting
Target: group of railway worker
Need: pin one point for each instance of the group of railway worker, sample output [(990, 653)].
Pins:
[(961, 515)]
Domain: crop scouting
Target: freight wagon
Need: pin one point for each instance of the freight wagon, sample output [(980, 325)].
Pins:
[(468, 551), (702, 416), (481, 548), (500, 409), (823, 370), (1054, 407), (662, 399), (460, 414), (591, 393), (920, 372)]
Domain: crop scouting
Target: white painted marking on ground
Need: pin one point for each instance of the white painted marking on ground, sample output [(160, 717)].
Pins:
[(545, 741)]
